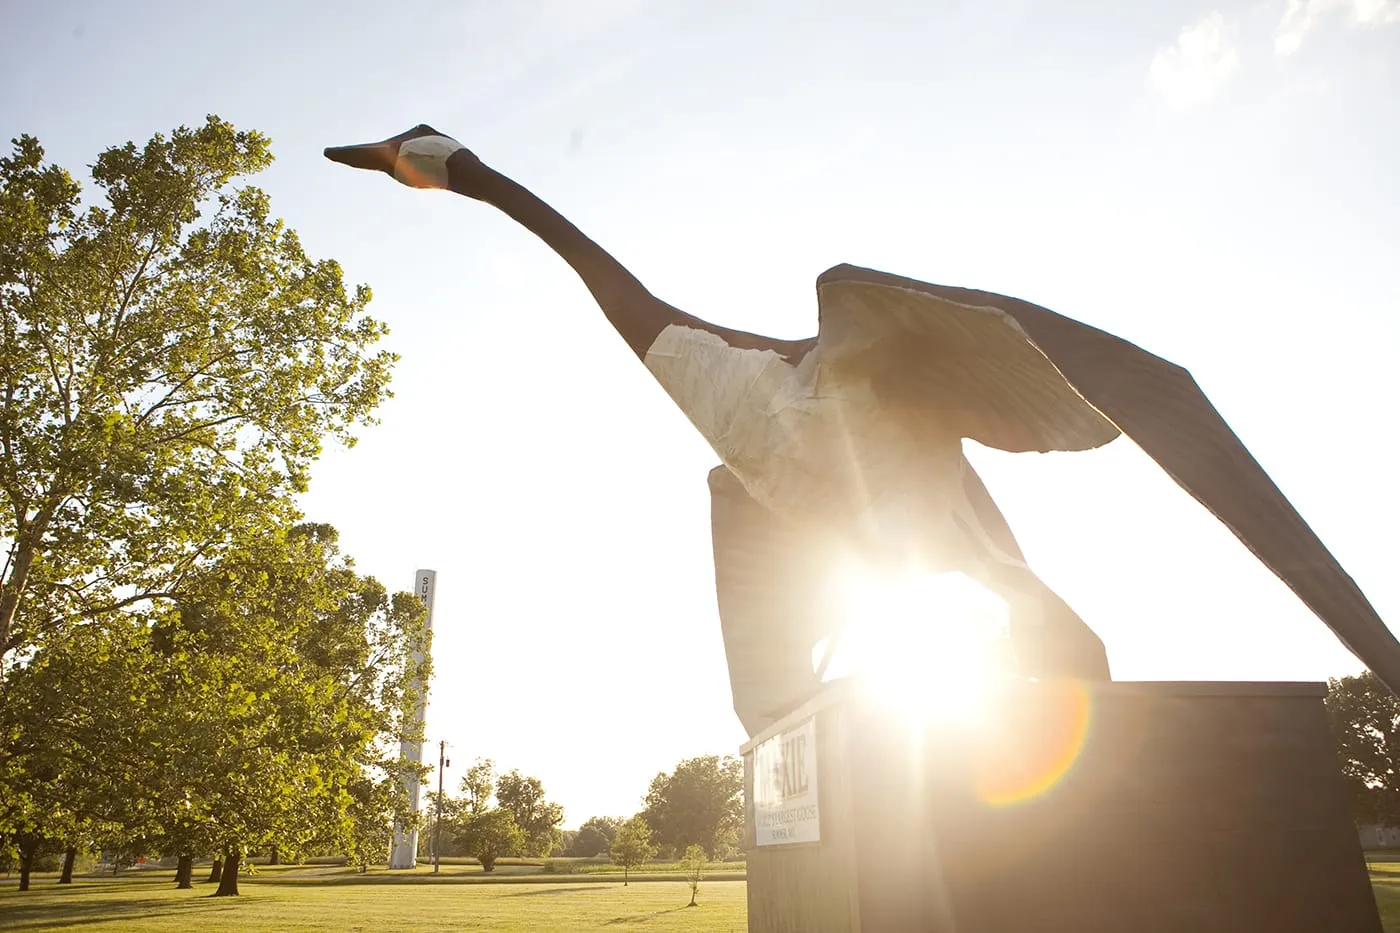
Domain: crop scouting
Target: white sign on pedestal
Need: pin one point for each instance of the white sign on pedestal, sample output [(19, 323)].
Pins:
[(785, 788)]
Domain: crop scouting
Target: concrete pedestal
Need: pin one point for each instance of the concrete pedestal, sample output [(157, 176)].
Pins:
[(1145, 807)]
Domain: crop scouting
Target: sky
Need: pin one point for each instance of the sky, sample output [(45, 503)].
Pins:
[(1213, 182)]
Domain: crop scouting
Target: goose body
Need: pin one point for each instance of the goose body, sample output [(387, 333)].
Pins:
[(821, 453), (801, 446), (854, 436)]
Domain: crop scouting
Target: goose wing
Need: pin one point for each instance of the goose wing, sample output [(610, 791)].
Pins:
[(1016, 376)]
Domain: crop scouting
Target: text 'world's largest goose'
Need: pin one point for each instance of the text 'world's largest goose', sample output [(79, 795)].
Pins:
[(853, 439)]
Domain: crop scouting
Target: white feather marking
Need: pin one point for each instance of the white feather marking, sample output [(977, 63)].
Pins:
[(422, 162), (799, 451)]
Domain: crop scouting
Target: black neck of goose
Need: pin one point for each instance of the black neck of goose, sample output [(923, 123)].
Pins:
[(636, 314)]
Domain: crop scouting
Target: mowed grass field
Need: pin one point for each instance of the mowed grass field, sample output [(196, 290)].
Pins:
[(337, 899), (1385, 881)]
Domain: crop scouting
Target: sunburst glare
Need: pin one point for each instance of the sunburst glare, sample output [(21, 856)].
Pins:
[(932, 646)]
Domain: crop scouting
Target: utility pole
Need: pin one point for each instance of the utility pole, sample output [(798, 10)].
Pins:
[(443, 764)]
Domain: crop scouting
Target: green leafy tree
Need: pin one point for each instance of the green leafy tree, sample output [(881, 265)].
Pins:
[(537, 818), (1365, 720), (478, 788), (490, 835), (71, 757), (478, 785), (265, 709), (171, 361), (594, 837), (286, 682), (374, 803), (452, 811), (632, 847), (700, 803), (693, 864)]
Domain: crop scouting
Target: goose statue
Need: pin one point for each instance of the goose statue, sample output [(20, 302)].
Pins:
[(851, 442)]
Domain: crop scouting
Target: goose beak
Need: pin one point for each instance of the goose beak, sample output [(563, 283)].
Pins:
[(380, 156)]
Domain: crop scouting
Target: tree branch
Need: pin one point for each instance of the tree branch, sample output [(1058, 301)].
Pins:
[(120, 316), (196, 428)]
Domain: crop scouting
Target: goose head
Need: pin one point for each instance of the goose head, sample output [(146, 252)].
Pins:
[(420, 158)]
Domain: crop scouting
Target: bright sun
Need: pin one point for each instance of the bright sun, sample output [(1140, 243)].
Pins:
[(933, 646)]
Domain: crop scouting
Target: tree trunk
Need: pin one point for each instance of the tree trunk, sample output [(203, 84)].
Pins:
[(28, 845), (13, 588), (184, 870), (70, 855), (228, 884), (273, 857), (624, 876), (216, 871)]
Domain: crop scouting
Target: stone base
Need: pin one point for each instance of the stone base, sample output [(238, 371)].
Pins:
[(1144, 807)]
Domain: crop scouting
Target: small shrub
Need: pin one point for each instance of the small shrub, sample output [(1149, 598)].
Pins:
[(693, 864)]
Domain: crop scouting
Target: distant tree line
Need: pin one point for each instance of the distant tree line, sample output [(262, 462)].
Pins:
[(492, 817)]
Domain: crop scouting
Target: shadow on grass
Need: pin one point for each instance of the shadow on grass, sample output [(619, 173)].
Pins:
[(642, 918), (331, 881), (100, 886), (591, 880), (42, 916), (568, 890)]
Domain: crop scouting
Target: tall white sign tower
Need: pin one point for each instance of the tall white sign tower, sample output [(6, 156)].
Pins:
[(404, 853)]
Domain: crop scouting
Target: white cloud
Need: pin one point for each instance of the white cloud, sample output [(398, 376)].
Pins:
[(1301, 16), (1189, 72)]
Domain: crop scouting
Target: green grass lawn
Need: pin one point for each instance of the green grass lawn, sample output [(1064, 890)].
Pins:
[(291, 898), (1385, 881), (337, 899)]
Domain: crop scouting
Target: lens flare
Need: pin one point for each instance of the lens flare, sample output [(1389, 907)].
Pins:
[(1039, 749)]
